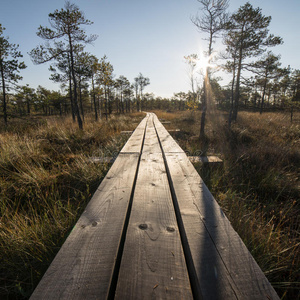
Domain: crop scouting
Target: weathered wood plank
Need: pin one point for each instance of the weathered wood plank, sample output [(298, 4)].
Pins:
[(153, 265), (224, 266), (126, 132), (213, 279), (103, 160), (151, 144), (168, 143), (134, 143), (84, 265), (210, 159)]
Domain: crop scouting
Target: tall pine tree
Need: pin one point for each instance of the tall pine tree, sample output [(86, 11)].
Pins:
[(66, 28), (9, 67), (247, 37)]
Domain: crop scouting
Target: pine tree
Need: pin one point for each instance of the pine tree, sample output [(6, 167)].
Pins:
[(9, 68), (66, 29), (247, 37)]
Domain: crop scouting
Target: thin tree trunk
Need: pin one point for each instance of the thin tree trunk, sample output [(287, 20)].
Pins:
[(141, 98), (118, 105), (109, 98), (4, 96), (140, 106), (100, 102), (80, 100), (106, 104), (94, 99), (237, 93), (28, 105), (71, 96), (232, 93), (255, 98), (263, 98), (232, 101), (204, 104), (269, 96), (122, 103), (77, 113), (204, 108), (205, 87)]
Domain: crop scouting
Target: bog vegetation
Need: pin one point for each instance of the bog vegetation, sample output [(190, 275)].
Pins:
[(47, 138)]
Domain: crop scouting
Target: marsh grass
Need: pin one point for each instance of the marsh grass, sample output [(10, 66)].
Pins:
[(258, 185), (46, 180)]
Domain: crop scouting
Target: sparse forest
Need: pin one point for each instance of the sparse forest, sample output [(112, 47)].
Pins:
[(89, 85), (47, 138)]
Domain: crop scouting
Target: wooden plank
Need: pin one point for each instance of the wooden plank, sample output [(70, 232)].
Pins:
[(213, 279), (84, 266), (215, 246), (151, 143), (134, 143), (168, 143), (210, 159), (103, 160), (153, 265)]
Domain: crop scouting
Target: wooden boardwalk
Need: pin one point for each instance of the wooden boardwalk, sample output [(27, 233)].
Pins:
[(153, 231)]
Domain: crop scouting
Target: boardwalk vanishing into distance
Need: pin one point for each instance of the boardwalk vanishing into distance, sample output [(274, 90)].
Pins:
[(153, 231)]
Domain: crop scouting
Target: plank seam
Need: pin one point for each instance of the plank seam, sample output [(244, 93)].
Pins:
[(222, 259), (196, 290), (115, 276)]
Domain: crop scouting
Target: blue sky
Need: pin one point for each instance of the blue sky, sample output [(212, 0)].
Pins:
[(151, 37)]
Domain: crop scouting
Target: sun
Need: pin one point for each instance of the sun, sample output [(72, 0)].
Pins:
[(204, 62)]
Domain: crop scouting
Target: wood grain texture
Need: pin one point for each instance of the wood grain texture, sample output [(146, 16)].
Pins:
[(224, 266), (84, 265), (168, 143), (210, 159), (153, 264), (134, 143), (151, 143)]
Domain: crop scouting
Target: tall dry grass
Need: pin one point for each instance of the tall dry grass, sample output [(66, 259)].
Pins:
[(47, 178), (258, 185)]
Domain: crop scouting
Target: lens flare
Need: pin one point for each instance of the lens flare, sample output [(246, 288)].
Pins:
[(204, 62)]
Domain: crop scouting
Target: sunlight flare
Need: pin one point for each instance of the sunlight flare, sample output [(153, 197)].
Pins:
[(204, 62)]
